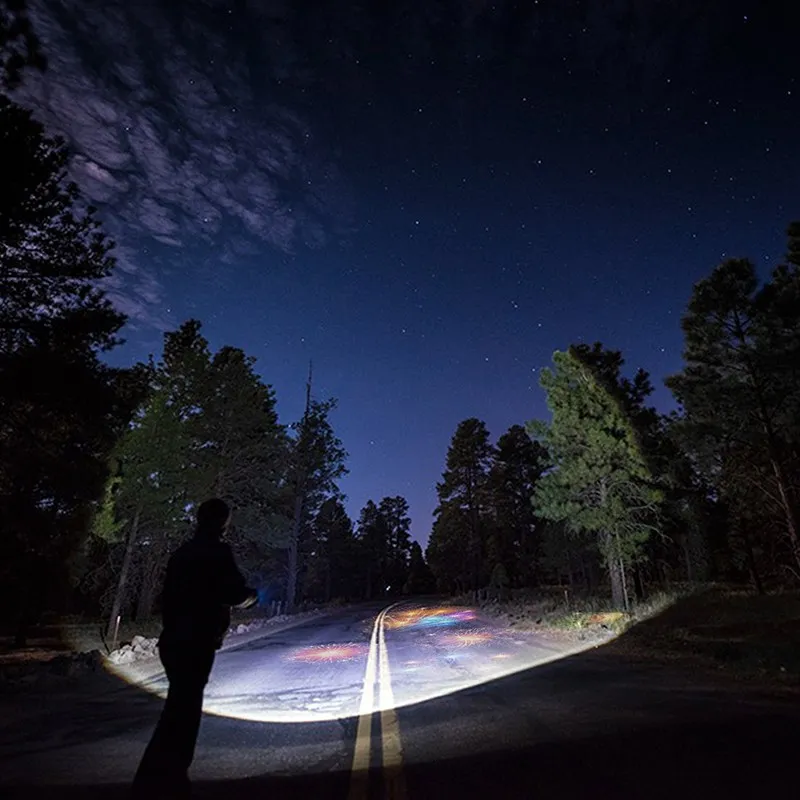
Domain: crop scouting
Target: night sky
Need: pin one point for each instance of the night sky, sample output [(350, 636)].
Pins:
[(426, 199)]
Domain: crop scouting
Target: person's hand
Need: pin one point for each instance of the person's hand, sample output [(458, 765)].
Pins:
[(250, 601)]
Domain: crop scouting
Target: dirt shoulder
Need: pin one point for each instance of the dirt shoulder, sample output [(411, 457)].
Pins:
[(733, 633)]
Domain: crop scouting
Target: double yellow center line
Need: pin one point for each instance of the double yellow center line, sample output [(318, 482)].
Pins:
[(391, 745)]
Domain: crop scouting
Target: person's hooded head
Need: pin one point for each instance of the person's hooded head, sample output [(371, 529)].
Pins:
[(213, 517)]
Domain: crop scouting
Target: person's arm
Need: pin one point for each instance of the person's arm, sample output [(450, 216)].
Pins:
[(233, 589)]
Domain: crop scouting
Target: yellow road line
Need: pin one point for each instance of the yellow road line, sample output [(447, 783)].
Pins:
[(359, 771), (392, 747), (391, 744)]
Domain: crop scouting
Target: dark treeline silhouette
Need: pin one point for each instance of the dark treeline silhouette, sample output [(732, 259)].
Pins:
[(610, 491), (101, 467)]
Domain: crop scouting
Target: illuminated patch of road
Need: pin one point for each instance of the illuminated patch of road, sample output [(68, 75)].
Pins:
[(435, 651)]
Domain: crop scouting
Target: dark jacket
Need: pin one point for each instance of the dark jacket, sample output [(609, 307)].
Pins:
[(201, 585)]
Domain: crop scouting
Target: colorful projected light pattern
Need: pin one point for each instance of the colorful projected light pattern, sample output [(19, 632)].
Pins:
[(329, 653), (427, 652), (469, 638), (442, 617)]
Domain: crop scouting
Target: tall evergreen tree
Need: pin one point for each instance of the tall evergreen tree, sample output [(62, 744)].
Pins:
[(241, 457), (331, 569), (316, 462), (446, 554), (739, 392), (600, 481), (394, 511), (462, 517), (150, 496), (373, 538), (420, 578), (209, 428), (61, 407), (518, 465)]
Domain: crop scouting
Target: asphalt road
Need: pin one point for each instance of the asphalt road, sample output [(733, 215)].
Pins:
[(415, 702)]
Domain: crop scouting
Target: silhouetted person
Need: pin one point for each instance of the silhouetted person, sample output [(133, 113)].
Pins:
[(201, 585)]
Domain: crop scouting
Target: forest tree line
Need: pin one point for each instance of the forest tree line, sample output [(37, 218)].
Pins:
[(624, 495), (101, 467)]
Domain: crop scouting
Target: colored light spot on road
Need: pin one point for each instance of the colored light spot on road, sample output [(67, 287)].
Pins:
[(436, 621), (468, 638), (328, 653), (499, 656), (429, 617)]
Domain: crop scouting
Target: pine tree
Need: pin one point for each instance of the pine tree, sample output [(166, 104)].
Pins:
[(316, 462), (740, 393), (331, 568), (600, 481), (518, 465), (61, 407), (52, 251), (242, 457), (373, 537), (457, 548), (446, 554), (420, 578), (151, 495), (394, 511), (209, 428)]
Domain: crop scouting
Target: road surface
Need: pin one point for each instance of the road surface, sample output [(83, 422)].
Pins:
[(414, 701)]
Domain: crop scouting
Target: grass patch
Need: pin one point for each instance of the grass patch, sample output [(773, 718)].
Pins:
[(585, 617), (713, 627)]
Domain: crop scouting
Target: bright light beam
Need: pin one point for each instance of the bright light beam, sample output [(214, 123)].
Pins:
[(149, 676)]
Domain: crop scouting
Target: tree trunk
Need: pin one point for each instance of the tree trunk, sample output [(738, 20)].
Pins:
[(119, 594), (294, 561), (788, 509), (619, 583), (626, 601), (751, 565)]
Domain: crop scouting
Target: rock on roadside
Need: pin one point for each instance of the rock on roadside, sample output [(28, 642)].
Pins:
[(139, 649), (142, 648)]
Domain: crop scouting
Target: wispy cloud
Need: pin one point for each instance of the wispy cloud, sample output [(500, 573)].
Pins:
[(175, 138)]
